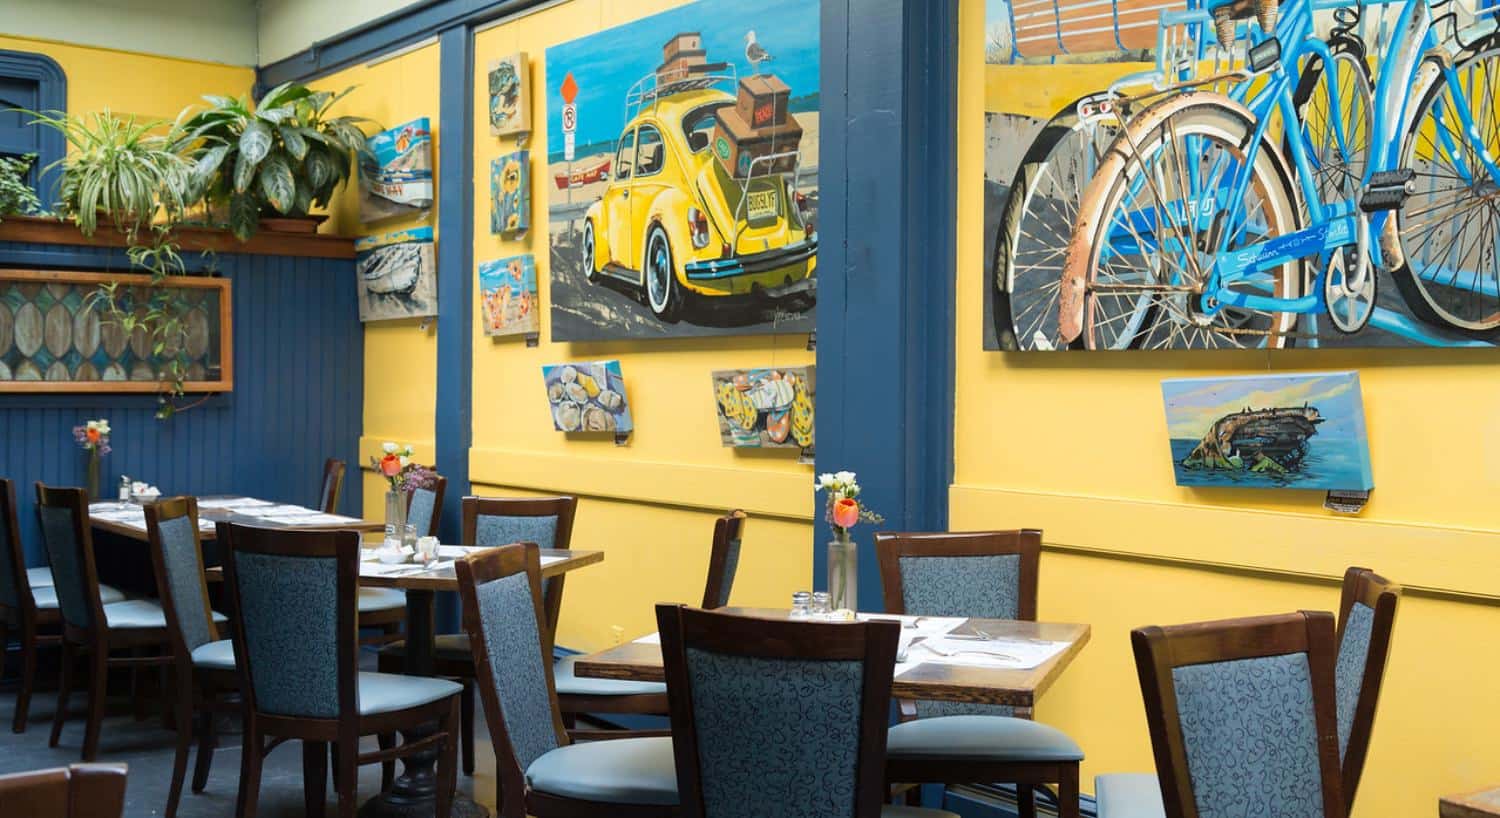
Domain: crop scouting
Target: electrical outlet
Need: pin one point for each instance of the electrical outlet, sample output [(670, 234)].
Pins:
[(618, 633)]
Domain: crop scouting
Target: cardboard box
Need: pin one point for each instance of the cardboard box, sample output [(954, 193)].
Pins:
[(763, 100), (736, 144)]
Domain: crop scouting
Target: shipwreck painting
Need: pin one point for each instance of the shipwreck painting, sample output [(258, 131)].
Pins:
[(1303, 431), (587, 397), (396, 275), (765, 408)]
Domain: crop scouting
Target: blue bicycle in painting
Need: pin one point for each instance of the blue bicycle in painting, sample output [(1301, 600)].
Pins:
[(1242, 219)]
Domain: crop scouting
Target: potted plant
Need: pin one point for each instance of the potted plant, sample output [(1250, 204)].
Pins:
[(278, 157), (16, 197), (121, 168)]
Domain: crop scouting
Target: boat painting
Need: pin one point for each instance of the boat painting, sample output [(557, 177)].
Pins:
[(397, 275), (1304, 431)]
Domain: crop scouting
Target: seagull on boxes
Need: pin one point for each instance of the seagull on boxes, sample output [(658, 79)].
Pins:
[(755, 53)]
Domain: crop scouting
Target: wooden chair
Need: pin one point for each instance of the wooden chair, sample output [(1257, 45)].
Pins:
[(26, 606), (297, 642), (1367, 615), (202, 660), (990, 575), (540, 771), (79, 791), (385, 608), (779, 717), (333, 484), (88, 625)]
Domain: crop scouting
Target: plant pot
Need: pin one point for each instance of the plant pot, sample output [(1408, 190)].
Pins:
[(291, 224)]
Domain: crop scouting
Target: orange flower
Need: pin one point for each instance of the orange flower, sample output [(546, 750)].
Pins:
[(92, 435), (845, 512), (390, 465)]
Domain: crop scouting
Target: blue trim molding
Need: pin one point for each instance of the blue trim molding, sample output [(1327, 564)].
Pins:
[(52, 93)]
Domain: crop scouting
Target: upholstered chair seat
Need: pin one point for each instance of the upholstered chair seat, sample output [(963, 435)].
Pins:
[(217, 655), (46, 596), (388, 692), (41, 577), (1128, 795), (380, 599), (624, 771), (141, 614), (980, 738)]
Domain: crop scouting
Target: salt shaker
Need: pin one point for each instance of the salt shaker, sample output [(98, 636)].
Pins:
[(801, 604), (820, 604)]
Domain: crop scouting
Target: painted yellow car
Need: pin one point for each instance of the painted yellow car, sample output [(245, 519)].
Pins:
[(674, 223)]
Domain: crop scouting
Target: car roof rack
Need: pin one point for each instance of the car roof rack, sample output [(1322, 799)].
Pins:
[(647, 91)]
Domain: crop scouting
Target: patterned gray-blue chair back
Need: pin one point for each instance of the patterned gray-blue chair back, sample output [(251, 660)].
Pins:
[(1250, 734), (11, 557), (1349, 672), (724, 559), (493, 530), (182, 563), (288, 610), (419, 513), (512, 635), (70, 560), (731, 567)]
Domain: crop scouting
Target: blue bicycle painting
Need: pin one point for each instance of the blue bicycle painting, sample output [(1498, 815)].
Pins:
[(1313, 174)]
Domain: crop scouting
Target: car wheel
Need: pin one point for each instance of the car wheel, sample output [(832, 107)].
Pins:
[(590, 260), (662, 290)]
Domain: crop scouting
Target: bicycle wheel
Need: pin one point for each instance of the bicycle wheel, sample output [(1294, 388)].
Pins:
[(1156, 214), (1450, 226), (1034, 228), (1339, 140)]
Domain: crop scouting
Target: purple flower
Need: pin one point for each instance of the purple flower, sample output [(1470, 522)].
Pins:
[(417, 476)]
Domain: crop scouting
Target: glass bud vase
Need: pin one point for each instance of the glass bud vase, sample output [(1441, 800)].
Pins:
[(843, 575), (93, 484), (395, 514)]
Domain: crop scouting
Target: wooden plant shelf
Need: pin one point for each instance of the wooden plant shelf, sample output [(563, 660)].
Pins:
[(48, 230)]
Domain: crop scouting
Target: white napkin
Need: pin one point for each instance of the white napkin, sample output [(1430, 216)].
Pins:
[(649, 639), (1012, 654)]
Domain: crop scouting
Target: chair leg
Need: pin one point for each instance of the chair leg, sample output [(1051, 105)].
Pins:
[(208, 741), (28, 677), (1067, 792), (466, 725), (179, 761), (388, 767), (347, 778), (137, 688), (98, 696), (314, 777), (1025, 800), (447, 769), (64, 689), (250, 764)]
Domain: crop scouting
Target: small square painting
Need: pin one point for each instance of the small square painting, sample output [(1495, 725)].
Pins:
[(396, 275), (1296, 431), (587, 397), (765, 408), (510, 96), (395, 174), (510, 194), (507, 292)]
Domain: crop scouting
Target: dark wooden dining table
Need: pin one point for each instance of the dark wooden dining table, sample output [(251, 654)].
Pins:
[(1481, 804), (1020, 688)]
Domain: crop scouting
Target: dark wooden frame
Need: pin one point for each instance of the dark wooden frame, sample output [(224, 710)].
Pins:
[(26, 617), (197, 691), (1158, 650), (344, 732), (873, 643), (1363, 585), (332, 485), (727, 529), (514, 799), (225, 382), (890, 547), (77, 791), (98, 639)]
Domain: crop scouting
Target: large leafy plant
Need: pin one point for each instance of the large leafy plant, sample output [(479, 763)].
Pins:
[(17, 197), (283, 154)]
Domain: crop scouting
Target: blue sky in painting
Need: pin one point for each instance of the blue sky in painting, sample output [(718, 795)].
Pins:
[(1195, 403), (995, 11), (608, 63)]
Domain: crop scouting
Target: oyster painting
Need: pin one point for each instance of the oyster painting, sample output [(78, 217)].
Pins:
[(395, 173), (396, 275), (765, 408), (587, 397), (1301, 431)]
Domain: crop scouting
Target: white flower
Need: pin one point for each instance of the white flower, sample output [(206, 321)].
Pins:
[(845, 477), (824, 481), (389, 448), (405, 461)]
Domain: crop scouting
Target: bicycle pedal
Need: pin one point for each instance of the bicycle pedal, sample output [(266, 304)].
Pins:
[(1387, 190)]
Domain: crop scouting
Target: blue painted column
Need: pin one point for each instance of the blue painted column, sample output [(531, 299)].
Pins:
[(886, 264), (455, 352)]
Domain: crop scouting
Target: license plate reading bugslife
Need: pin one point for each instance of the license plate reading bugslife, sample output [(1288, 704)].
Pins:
[(761, 204)]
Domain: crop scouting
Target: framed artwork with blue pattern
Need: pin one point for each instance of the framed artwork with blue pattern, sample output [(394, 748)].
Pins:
[(56, 334)]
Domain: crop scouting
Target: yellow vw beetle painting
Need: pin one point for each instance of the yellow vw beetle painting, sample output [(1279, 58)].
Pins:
[(688, 203)]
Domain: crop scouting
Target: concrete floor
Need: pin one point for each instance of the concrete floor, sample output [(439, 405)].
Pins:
[(148, 748)]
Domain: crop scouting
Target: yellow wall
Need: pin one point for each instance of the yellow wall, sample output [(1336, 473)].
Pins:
[(129, 83), (400, 356), (650, 504), (1076, 445)]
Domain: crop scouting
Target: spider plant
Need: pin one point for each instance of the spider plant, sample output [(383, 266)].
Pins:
[(283, 154), (122, 168)]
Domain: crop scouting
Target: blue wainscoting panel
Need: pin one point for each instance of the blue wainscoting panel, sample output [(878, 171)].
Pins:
[(297, 399)]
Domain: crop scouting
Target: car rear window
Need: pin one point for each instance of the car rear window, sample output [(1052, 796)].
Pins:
[(698, 126)]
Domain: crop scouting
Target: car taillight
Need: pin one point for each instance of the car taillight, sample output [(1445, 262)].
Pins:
[(698, 227)]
